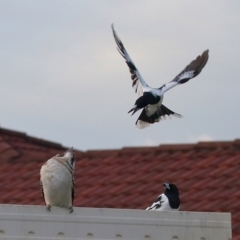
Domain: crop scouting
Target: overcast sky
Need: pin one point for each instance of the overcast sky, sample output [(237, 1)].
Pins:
[(63, 80)]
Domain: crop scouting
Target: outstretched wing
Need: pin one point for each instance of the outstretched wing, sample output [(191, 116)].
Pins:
[(137, 81), (190, 71)]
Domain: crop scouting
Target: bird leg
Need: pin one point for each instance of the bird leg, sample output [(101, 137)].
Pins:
[(71, 209), (48, 206)]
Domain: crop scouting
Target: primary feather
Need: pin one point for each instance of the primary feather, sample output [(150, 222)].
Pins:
[(150, 99)]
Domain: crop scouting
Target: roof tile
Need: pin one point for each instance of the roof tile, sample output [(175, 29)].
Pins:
[(207, 174)]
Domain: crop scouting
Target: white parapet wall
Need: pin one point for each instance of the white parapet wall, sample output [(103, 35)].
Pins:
[(35, 222)]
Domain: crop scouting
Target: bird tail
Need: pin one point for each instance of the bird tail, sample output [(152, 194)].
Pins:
[(162, 113)]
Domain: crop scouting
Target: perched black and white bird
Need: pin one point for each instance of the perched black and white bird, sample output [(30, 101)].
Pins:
[(57, 180), (150, 99), (167, 201)]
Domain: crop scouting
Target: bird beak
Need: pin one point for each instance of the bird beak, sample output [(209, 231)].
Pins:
[(69, 150), (130, 110), (133, 110), (166, 185)]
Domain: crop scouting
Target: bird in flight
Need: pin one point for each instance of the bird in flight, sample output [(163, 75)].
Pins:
[(167, 201), (150, 99)]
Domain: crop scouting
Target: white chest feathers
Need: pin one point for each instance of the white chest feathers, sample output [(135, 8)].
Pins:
[(57, 183), (161, 204), (164, 204)]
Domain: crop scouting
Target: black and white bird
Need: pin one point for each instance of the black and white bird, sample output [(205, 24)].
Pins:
[(167, 201), (150, 99), (57, 180)]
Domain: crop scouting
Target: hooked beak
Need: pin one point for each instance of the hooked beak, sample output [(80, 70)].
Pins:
[(134, 109)]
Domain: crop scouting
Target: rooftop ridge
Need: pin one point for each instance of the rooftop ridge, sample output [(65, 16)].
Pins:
[(36, 140), (140, 149), (167, 147), (218, 144)]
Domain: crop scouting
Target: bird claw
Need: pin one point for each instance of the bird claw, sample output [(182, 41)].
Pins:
[(48, 206), (71, 209)]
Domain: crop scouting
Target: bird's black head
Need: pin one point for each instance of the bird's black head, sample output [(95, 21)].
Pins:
[(171, 188), (172, 194)]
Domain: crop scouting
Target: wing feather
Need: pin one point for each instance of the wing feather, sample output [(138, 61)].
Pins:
[(190, 71), (73, 190), (41, 186), (138, 82), (156, 204)]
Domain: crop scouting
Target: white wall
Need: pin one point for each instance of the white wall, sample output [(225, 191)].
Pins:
[(35, 222)]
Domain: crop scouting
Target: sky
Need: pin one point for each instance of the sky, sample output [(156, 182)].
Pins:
[(63, 80)]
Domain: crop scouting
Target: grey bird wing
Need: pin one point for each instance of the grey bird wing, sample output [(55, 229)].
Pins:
[(138, 82), (73, 190), (41, 186), (156, 204), (190, 71)]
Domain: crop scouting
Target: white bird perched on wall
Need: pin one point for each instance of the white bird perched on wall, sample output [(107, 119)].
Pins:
[(167, 201), (57, 180), (150, 99)]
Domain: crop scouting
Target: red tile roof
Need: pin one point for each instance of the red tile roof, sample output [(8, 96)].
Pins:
[(207, 174)]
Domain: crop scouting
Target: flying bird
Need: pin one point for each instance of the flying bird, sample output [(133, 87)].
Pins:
[(167, 201), (150, 99), (57, 180)]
